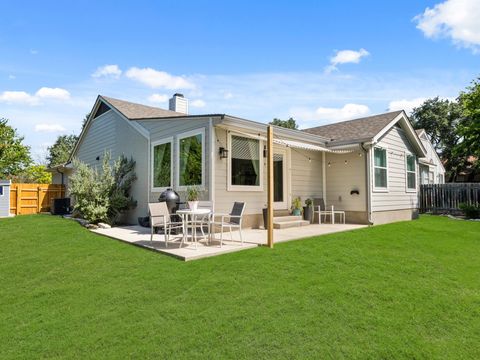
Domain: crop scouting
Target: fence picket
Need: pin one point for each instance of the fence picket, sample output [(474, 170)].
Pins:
[(448, 197)]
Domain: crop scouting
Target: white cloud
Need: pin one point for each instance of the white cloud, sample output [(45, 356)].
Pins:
[(158, 98), (11, 77), (454, 19), (330, 114), (198, 103), (405, 104), (22, 97), (158, 79), (227, 95), (33, 52), (345, 57), (49, 128), (18, 97), (52, 93), (107, 71)]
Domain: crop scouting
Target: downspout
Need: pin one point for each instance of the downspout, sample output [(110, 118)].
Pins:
[(369, 185), (324, 178)]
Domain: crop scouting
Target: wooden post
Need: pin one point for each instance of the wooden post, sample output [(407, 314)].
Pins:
[(270, 185), (39, 199)]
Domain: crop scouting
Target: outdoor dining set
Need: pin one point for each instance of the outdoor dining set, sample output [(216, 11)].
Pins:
[(195, 222)]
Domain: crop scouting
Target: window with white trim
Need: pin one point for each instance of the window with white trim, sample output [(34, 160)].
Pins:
[(380, 167), (190, 159), (245, 161), (1, 190), (162, 164), (411, 172)]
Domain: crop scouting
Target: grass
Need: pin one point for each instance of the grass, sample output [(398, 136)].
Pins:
[(404, 290)]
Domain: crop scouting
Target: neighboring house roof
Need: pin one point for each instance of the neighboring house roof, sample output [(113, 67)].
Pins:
[(358, 129), (134, 111)]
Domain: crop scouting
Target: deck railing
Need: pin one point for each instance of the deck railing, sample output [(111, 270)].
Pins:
[(446, 198)]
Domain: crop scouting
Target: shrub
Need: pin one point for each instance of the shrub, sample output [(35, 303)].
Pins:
[(471, 211), (103, 195)]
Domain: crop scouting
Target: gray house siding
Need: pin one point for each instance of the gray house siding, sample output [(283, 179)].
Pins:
[(110, 132), (396, 203), (5, 198), (173, 128)]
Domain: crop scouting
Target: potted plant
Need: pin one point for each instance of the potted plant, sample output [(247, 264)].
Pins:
[(308, 210), (192, 197), (297, 207)]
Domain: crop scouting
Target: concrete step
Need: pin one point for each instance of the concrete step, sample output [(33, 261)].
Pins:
[(287, 218), (285, 222)]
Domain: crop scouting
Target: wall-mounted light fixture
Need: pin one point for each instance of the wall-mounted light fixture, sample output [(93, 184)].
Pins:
[(97, 158), (264, 151), (223, 153)]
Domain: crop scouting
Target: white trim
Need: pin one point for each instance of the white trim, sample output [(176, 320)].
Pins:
[(324, 177), (407, 189), (375, 188), (152, 159), (231, 187), (211, 179), (191, 133)]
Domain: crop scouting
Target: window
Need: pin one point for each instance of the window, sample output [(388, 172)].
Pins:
[(245, 162), (1, 190), (162, 164), (190, 159), (411, 173), (431, 177), (380, 168)]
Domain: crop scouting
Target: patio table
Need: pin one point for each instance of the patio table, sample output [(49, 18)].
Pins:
[(193, 223)]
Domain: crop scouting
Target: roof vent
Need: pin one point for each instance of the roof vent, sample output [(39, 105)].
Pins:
[(178, 103)]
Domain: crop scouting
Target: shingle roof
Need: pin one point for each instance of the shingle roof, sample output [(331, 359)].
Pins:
[(135, 111), (357, 129)]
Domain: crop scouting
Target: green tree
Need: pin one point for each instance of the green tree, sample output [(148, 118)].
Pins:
[(36, 174), (60, 151), (440, 118), (14, 155), (289, 124), (469, 128)]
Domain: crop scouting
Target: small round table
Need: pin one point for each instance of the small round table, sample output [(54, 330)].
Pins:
[(193, 223)]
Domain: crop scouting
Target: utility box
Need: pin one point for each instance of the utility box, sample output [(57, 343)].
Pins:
[(5, 198)]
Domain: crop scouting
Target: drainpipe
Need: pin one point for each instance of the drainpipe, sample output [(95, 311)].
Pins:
[(369, 180)]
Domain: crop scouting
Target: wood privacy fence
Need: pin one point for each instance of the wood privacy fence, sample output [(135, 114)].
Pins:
[(447, 197), (33, 198)]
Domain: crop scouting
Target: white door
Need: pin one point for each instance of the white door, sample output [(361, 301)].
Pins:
[(280, 181)]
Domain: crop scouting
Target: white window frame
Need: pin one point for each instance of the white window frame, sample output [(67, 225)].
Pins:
[(375, 188), (231, 187), (179, 137), (152, 161), (407, 189)]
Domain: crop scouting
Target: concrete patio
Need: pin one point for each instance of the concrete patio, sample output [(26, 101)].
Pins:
[(140, 236)]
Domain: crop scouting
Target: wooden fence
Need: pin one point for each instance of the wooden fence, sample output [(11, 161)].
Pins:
[(34, 198), (447, 197)]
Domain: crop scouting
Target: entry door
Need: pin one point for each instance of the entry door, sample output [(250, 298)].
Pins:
[(280, 193)]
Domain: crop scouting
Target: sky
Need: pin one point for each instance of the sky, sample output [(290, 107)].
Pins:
[(317, 61)]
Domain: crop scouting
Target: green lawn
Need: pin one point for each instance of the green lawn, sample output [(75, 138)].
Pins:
[(405, 290)]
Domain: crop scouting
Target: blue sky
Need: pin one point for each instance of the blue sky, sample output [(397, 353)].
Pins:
[(319, 62)]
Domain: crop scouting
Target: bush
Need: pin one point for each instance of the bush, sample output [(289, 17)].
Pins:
[(471, 211), (102, 196)]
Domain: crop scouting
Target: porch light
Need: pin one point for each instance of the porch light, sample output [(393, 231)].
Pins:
[(264, 151), (329, 164), (223, 153)]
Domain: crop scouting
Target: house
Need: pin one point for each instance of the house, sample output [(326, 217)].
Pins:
[(5, 198), (367, 167), (431, 169)]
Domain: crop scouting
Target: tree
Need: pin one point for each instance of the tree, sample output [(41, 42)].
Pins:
[(14, 156), (469, 128), (60, 151), (289, 124), (36, 174), (440, 119)]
